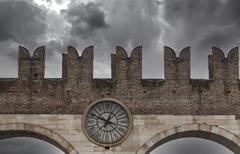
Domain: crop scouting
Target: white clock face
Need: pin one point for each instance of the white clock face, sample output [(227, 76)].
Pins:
[(107, 122)]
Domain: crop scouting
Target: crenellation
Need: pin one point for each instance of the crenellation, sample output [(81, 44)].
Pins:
[(127, 68), (86, 64), (121, 70), (78, 67), (73, 63), (176, 94), (136, 64), (169, 63), (224, 71), (218, 60), (233, 64), (184, 64), (38, 63), (177, 68), (161, 110), (127, 71), (23, 63), (31, 68), (233, 71)]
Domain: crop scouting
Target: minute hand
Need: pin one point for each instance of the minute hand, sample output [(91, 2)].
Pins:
[(102, 119), (99, 117), (108, 120)]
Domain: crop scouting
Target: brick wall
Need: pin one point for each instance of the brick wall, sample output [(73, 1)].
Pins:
[(177, 94)]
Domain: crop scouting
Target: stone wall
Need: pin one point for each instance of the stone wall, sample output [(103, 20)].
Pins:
[(146, 129)]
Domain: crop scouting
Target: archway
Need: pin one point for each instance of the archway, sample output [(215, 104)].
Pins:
[(209, 132), (27, 145), (30, 130)]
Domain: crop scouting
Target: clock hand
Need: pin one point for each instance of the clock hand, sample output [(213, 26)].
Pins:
[(111, 123), (102, 119), (109, 117), (99, 117), (112, 126), (108, 120)]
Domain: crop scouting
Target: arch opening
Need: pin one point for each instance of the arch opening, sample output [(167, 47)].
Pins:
[(8, 134), (191, 145), (196, 130), (13, 130), (27, 145), (202, 135)]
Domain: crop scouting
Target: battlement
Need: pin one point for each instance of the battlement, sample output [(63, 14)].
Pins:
[(177, 93), (126, 67), (31, 67)]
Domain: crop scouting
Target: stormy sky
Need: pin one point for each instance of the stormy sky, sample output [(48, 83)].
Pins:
[(105, 24)]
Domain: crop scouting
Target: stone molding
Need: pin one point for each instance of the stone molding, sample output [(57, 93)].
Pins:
[(192, 127), (35, 131)]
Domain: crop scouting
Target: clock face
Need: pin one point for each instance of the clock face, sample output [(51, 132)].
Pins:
[(107, 122)]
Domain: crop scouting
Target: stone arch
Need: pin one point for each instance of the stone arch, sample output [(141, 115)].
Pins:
[(9, 130), (199, 130)]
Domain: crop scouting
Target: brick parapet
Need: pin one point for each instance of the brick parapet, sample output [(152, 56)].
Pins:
[(176, 94)]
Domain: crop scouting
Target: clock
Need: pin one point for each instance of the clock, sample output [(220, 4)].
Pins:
[(107, 122)]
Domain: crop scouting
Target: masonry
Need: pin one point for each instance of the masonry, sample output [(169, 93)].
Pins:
[(32, 104)]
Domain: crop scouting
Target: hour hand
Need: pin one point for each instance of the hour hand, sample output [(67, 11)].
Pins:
[(101, 118), (108, 120), (109, 117), (111, 123)]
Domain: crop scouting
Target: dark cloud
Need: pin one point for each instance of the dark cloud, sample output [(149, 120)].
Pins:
[(128, 23), (132, 23), (21, 21), (26, 145), (202, 25), (86, 19), (123, 23), (191, 146)]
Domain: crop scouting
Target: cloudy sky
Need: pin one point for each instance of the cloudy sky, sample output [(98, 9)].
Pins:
[(105, 24)]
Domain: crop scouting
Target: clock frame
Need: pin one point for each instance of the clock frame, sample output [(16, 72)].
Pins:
[(104, 123)]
